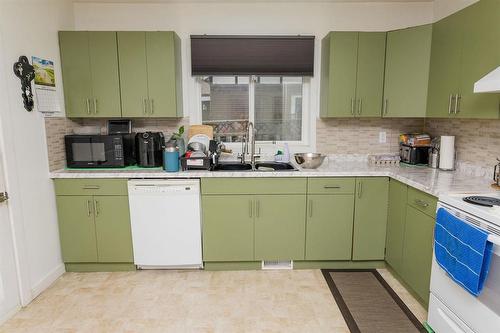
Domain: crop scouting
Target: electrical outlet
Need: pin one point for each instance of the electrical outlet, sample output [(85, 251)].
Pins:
[(382, 137)]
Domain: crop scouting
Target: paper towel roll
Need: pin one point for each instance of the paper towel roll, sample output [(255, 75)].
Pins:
[(447, 153)]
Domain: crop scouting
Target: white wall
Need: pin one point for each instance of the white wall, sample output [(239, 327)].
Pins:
[(29, 27), (316, 18)]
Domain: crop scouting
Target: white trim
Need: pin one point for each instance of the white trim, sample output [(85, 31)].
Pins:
[(47, 281), (9, 314)]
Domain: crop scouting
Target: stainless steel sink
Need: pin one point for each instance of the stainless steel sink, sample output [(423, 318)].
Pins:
[(233, 167), (274, 166), (259, 166)]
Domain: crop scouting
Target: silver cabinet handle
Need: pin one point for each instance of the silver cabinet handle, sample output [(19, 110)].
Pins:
[(144, 101), (91, 187), (421, 203), (89, 212), (331, 187), (96, 207), (450, 103), (310, 208), (250, 210), (360, 189), (151, 106), (360, 106), (95, 105), (257, 208), (352, 106), (386, 101), (87, 105), (457, 103)]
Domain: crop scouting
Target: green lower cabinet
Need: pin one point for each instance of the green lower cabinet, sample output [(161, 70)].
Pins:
[(114, 237), (228, 228), (329, 226), (280, 227), (396, 224), (94, 231), (370, 218), (417, 251), (77, 228)]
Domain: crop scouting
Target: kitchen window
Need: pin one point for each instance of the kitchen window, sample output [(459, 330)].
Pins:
[(274, 104)]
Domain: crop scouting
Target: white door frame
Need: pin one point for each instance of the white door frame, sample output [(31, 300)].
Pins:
[(16, 227)]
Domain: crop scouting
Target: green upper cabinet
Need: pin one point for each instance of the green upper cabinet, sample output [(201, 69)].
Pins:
[(329, 226), (370, 218), (395, 224), (338, 74), (280, 227), (480, 55), (464, 49), (352, 74), (150, 74), (370, 74), (407, 72), (90, 73)]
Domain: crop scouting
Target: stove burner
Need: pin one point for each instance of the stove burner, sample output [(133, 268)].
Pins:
[(483, 201)]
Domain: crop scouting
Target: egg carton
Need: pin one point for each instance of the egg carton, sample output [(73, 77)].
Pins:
[(384, 160)]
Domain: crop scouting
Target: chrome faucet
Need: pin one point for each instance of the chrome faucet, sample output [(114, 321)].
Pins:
[(244, 149)]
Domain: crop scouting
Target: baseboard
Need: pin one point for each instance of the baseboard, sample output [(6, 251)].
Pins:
[(47, 281), (9, 314)]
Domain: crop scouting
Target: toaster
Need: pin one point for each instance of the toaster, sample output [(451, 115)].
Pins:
[(414, 155)]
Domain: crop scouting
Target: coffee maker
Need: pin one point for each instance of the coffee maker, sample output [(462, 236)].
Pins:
[(149, 148)]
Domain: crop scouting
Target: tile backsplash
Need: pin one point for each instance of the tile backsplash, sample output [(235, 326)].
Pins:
[(57, 128), (477, 141), (361, 136)]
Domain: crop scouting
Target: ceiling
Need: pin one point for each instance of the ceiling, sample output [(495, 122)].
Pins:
[(187, 1)]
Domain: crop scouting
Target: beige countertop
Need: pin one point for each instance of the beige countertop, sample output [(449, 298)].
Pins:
[(432, 181)]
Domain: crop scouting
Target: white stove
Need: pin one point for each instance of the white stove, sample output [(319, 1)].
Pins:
[(451, 308), (490, 214)]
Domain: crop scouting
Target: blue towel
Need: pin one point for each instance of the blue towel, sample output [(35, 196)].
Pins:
[(462, 250)]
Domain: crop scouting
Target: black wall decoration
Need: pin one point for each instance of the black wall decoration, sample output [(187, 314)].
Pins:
[(26, 73)]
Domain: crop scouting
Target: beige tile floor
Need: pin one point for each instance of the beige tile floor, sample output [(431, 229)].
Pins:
[(195, 301)]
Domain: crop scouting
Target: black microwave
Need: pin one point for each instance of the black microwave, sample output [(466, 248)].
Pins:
[(99, 151)]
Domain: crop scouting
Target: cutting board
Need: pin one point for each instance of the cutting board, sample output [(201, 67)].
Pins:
[(201, 129)]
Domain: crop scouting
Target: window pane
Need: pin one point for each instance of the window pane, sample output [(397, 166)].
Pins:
[(278, 109), (224, 104)]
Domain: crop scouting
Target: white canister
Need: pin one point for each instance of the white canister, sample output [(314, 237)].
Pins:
[(447, 153)]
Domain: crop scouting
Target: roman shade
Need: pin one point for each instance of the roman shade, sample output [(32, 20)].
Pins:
[(252, 55)]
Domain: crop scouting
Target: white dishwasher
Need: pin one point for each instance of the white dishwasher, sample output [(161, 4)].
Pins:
[(166, 223)]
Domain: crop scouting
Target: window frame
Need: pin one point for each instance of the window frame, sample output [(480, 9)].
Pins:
[(266, 146)]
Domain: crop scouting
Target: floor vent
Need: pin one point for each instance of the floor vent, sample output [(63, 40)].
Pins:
[(276, 264)]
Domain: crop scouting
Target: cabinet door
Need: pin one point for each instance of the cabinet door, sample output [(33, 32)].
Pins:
[(329, 227), (446, 53), (133, 73), (395, 224), (114, 238), (280, 227), (370, 74), (342, 64), (480, 55), (77, 228), (370, 218), (75, 63), (417, 251), (407, 72), (162, 77), (228, 228), (104, 71)]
